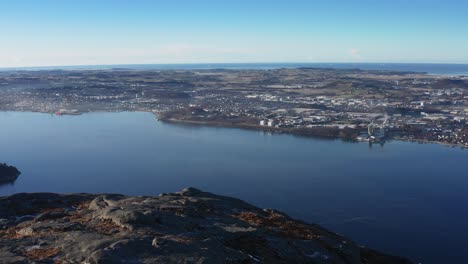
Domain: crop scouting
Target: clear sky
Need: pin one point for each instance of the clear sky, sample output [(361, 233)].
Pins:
[(86, 32)]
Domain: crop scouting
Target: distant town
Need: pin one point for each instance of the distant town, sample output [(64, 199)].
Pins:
[(351, 104)]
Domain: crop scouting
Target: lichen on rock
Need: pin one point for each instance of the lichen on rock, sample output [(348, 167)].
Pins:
[(190, 226)]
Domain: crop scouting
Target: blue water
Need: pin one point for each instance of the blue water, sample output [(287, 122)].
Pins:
[(431, 68), (404, 198)]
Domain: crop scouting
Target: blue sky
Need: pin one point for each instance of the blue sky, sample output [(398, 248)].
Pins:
[(66, 32)]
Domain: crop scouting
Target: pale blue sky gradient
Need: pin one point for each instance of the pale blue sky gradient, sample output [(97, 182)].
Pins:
[(85, 32)]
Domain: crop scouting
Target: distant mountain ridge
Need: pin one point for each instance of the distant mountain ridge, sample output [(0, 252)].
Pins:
[(431, 68)]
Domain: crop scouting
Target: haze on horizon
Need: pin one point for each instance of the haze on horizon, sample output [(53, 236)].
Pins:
[(55, 33)]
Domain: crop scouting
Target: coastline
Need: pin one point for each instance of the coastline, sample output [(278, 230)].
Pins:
[(297, 133), (247, 126), (263, 138), (424, 141)]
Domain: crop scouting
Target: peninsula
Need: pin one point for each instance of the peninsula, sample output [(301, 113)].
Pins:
[(352, 104)]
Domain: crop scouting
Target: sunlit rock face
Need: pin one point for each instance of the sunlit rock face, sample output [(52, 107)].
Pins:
[(187, 226)]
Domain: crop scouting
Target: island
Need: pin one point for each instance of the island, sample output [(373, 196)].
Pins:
[(190, 226), (8, 174), (351, 104)]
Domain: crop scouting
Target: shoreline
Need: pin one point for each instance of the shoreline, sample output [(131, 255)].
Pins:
[(297, 133), (247, 126)]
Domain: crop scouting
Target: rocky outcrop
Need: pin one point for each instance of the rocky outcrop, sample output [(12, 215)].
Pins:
[(190, 226), (8, 174)]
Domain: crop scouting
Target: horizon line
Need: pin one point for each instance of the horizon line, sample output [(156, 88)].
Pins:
[(221, 63)]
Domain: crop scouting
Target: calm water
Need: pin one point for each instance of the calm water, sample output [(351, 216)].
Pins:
[(405, 198), (431, 68)]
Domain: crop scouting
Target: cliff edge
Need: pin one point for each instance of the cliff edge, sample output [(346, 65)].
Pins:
[(190, 226)]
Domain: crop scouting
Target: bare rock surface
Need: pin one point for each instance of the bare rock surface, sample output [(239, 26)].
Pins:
[(190, 226)]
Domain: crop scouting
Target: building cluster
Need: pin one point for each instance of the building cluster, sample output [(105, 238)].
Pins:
[(372, 105)]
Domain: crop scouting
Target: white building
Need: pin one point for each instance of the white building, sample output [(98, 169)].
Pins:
[(271, 123)]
